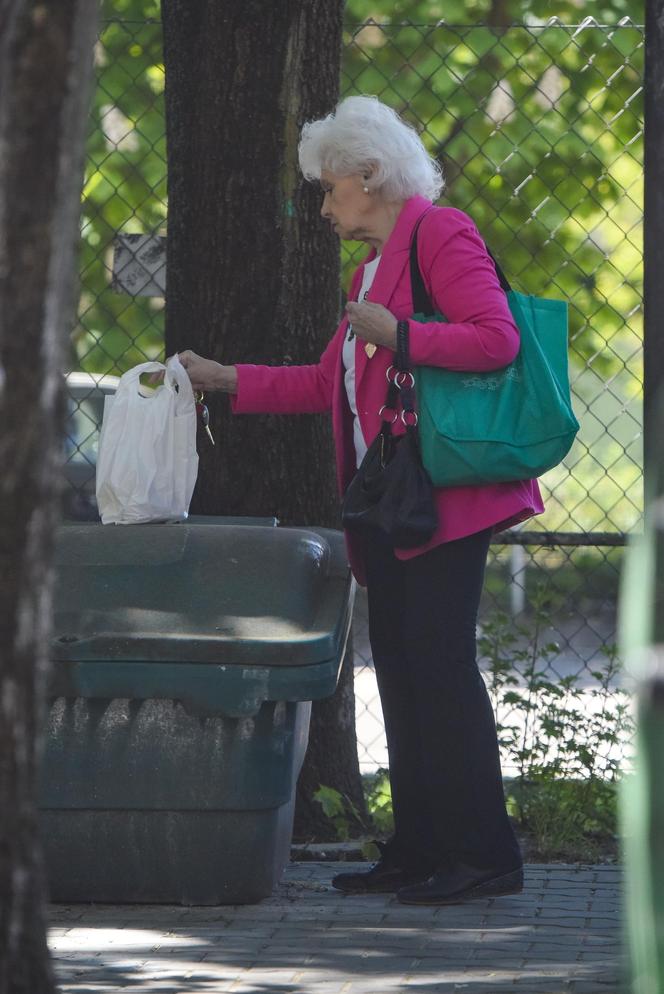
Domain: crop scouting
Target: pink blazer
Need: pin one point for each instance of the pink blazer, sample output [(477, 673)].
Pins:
[(480, 335)]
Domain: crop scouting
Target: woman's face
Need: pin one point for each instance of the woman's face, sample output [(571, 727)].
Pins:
[(345, 204)]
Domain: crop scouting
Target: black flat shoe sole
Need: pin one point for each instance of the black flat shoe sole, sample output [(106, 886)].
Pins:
[(510, 883), (378, 887)]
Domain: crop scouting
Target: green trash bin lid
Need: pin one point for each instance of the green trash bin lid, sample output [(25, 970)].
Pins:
[(163, 610)]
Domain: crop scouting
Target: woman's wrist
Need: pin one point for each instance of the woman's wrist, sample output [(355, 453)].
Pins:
[(226, 379)]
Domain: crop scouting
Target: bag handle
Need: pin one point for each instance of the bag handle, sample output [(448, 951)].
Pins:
[(129, 381), (175, 379), (422, 303), (183, 389), (136, 372), (400, 386)]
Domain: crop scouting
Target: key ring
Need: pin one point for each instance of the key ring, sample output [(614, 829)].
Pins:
[(404, 374), (399, 373), (386, 408)]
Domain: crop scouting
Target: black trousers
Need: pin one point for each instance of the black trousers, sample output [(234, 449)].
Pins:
[(447, 790)]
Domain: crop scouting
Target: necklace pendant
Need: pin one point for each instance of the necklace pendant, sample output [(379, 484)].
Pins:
[(370, 349)]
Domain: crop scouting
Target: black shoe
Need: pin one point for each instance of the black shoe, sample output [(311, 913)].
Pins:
[(458, 882), (384, 877)]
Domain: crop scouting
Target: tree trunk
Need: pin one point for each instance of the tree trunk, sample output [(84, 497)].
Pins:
[(45, 71), (331, 761), (253, 274)]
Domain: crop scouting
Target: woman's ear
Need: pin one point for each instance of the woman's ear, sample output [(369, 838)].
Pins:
[(369, 177)]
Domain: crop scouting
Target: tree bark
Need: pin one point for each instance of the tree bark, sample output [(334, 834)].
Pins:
[(331, 761), (45, 72), (253, 273)]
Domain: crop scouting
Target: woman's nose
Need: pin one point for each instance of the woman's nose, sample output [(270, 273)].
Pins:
[(324, 209)]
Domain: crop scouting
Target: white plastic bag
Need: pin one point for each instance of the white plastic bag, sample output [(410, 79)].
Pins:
[(147, 465)]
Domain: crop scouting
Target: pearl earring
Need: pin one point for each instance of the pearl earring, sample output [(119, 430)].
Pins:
[(366, 189)]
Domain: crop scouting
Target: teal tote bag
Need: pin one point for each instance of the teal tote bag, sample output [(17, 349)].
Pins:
[(513, 423)]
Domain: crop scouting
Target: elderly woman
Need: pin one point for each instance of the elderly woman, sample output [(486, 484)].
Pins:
[(452, 840)]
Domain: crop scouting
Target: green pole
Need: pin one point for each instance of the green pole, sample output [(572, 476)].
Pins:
[(642, 600)]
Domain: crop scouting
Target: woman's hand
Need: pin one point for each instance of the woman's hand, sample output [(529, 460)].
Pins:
[(373, 323), (206, 374)]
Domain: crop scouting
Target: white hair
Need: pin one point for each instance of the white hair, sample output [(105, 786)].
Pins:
[(363, 135)]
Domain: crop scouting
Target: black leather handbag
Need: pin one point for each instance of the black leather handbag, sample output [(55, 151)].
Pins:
[(391, 491)]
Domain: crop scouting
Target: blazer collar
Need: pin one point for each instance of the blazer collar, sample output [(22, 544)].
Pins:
[(411, 212), (393, 260)]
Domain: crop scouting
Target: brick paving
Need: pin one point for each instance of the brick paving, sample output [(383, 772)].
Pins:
[(563, 934)]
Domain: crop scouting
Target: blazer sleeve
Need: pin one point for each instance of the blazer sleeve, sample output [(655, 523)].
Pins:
[(293, 389), (287, 389), (480, 333)]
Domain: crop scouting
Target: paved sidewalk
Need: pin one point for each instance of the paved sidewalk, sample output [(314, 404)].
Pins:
[(563, 934)]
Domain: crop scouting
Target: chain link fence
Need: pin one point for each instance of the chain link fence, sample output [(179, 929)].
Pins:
[(539, 129)]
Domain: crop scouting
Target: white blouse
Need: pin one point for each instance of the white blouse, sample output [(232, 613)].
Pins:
[(348, 357)]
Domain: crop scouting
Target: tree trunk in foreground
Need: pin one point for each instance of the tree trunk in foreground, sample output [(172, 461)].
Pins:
[(253, 273), (45, 69)]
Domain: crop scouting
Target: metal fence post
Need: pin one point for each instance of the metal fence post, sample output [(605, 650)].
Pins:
[(642, 608), (653, 235)]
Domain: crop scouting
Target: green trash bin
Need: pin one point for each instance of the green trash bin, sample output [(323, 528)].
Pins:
[(185, 659)]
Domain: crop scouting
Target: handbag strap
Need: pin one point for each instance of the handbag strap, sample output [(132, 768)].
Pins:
[(402, 357), (400, 386), (390, 407), (402, 383), (422, 303)]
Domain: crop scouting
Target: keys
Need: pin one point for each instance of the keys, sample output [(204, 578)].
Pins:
[(204, 415)]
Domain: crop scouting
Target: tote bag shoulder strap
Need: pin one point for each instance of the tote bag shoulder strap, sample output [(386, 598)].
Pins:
[(422, 303)]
